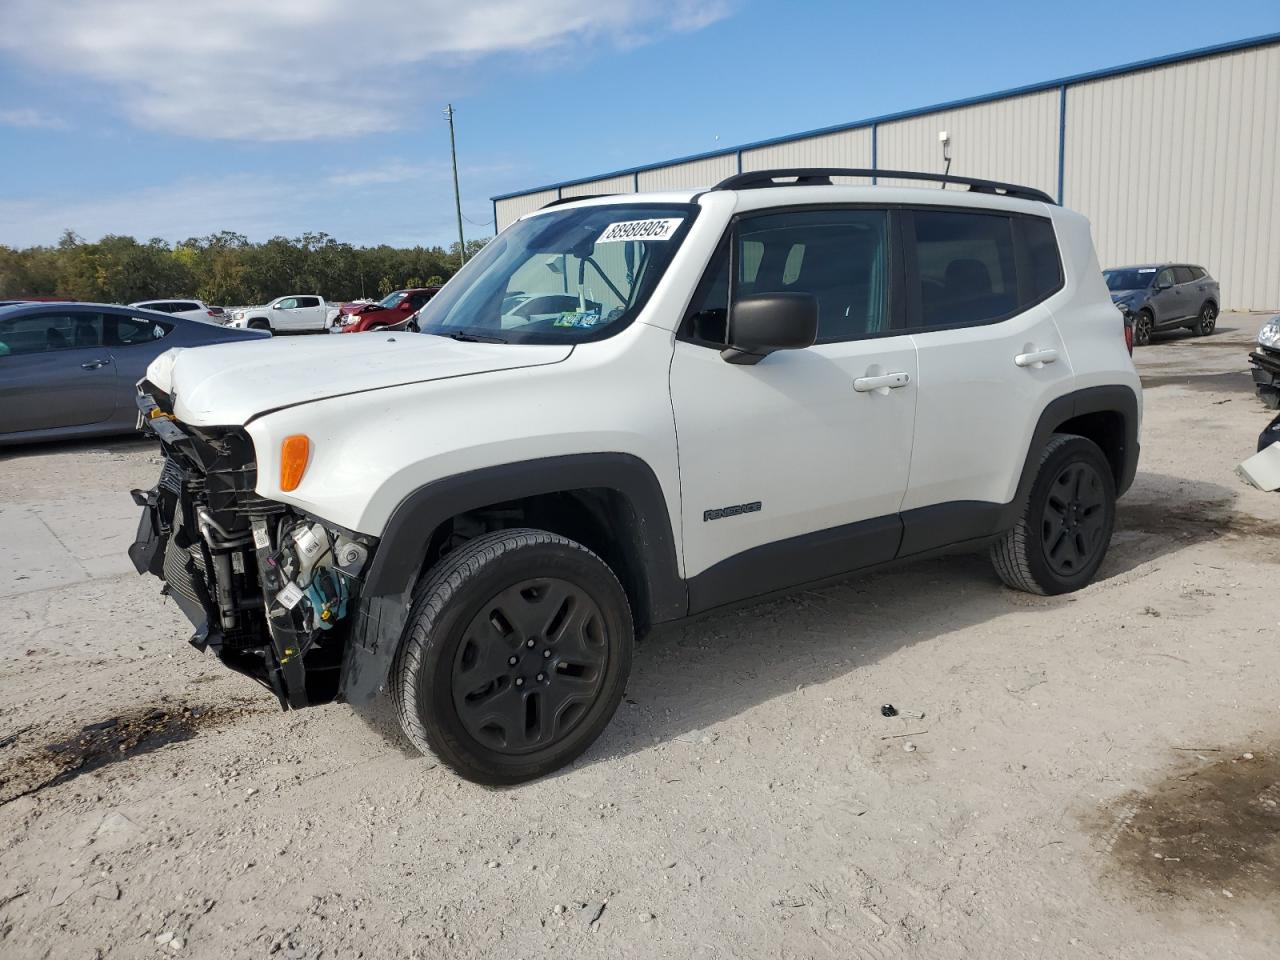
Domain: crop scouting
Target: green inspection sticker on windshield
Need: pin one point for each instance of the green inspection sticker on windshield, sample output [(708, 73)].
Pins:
[(577, 318), (659, 229)]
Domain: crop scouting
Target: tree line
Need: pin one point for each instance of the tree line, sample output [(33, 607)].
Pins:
[(221, 268)]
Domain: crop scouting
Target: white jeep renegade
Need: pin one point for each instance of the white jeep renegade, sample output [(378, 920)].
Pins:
[(631, 409)]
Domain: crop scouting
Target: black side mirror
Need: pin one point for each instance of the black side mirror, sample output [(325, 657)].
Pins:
[(765, 322)]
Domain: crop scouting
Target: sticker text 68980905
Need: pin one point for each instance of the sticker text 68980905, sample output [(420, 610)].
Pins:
[(660, 229)]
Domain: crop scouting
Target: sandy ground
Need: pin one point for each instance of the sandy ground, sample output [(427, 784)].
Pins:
[(1093, 776)]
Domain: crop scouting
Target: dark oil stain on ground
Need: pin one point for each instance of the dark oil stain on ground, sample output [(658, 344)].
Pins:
[(1200, 520), (105, 742), (1206, 829)]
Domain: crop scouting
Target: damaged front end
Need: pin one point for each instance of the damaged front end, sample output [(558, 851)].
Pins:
[(268, 588)]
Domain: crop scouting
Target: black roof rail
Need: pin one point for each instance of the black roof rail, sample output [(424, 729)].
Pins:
[(821, 176), (585, 196)]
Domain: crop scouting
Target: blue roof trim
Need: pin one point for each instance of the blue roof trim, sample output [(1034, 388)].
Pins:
[(1073, 80)]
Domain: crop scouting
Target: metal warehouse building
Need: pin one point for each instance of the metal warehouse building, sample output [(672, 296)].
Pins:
[(1171, 159)]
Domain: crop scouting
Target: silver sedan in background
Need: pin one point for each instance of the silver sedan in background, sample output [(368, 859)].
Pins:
[(70, 369)]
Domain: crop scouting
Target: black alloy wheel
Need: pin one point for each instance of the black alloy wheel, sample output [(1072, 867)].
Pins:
[(515, 655), (1143, 326), (1074, 525), (1060, 540), (530, 663), (1207, 320)]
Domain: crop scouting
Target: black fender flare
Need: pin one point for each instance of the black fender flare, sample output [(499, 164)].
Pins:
[(397, 564), (1111, 398)]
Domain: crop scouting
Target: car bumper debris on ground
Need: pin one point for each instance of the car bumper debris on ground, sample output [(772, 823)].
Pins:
[(1084, 775)]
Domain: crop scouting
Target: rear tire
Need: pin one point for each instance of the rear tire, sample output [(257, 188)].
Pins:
[(1062, 536), (517, 651), (1207, 320), (1270, 397), (1143, 326)]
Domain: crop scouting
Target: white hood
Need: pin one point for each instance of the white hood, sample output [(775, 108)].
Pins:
[(228, 384)]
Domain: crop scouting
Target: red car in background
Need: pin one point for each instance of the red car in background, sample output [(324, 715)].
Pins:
[(395, 308)]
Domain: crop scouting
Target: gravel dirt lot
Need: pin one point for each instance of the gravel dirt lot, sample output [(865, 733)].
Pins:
[(1093, 776)]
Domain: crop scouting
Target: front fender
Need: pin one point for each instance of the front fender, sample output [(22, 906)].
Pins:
[(398, 563)]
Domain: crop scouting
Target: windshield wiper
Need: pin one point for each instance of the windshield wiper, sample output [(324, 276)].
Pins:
[(470, 337)]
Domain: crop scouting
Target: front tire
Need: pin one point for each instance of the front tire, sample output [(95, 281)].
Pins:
[(1062, 536), (518, 648), (260, 325), (1207, 320)]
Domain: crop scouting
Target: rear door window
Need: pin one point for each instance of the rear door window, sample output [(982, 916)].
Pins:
[(969, 267), (965, 267), (1182, 275), (308, 301)]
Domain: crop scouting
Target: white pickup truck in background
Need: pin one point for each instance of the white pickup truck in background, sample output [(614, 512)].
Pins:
[(297, 313)]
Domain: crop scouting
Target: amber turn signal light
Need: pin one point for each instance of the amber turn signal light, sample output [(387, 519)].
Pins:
[(295, 451)]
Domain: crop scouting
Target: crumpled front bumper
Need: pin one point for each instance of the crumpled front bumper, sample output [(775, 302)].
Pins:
[(233, 563)]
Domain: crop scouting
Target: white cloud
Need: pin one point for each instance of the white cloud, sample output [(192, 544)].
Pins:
[(32, 118), (395, 171), (302, 69)]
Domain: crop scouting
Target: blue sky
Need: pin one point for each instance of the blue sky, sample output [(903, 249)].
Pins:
[(160, 118)]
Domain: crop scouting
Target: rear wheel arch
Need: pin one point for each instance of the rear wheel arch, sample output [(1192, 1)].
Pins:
[(611, 503), (1107, 415)]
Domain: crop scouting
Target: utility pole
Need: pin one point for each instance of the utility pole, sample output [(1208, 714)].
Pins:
[(457, 196)]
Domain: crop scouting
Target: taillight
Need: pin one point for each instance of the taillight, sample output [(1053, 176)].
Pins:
[(213, 313), (1128, 335)]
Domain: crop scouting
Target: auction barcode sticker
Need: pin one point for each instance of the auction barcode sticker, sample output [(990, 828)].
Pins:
[(661, 229)]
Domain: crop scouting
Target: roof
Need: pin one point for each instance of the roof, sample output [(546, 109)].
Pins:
[(782, 195), (1062, 82)]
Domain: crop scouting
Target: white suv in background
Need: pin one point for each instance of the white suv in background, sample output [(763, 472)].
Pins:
[(187, 309), (627, 410)]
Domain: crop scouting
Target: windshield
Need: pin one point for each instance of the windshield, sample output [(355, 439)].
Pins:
[(1137, 278), (562, 277), (391, 299)]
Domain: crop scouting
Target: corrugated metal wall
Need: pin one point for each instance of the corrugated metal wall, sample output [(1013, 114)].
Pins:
[(696, 173), (849, 148), (1173, 162), (512, 209), (623, 184), (1180, 163), (1014, 140)]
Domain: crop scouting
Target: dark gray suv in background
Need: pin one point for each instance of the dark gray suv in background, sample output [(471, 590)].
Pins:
[(1161, 296)]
